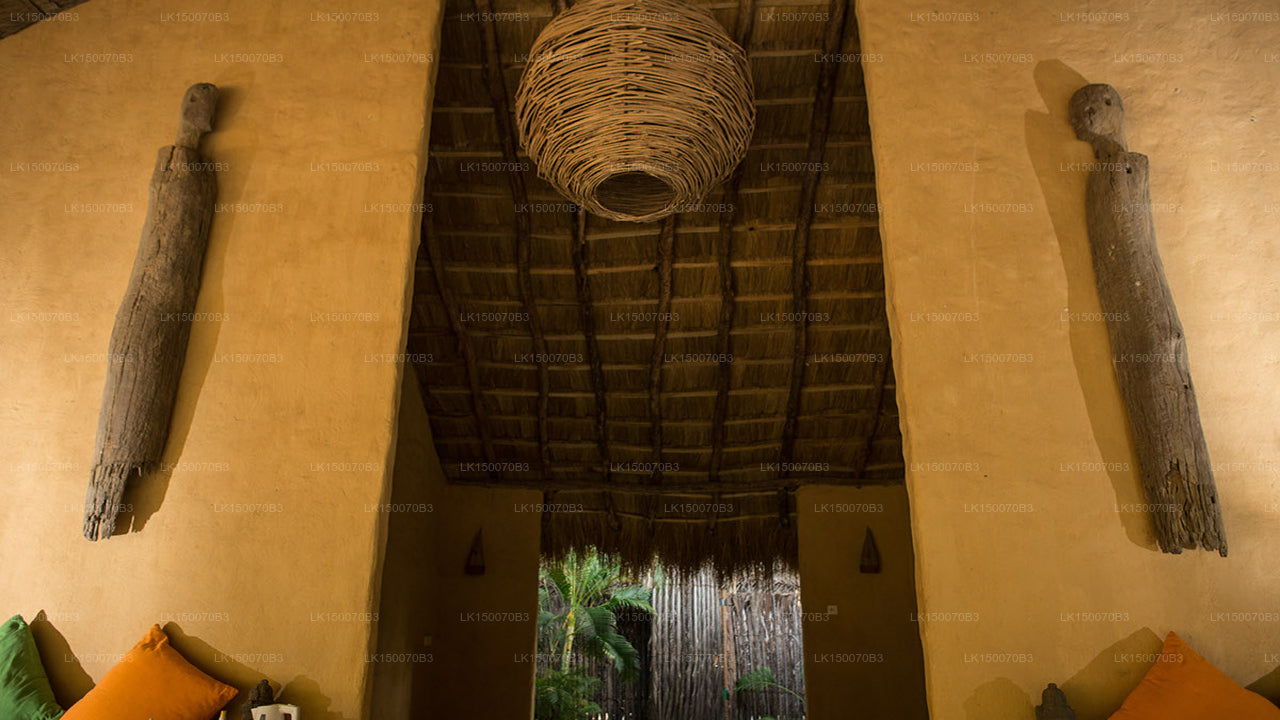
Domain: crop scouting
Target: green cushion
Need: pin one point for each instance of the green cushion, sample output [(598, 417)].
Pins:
[(24, 688)]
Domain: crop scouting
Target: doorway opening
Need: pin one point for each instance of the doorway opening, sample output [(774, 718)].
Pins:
[(714, 390), (618, 645)]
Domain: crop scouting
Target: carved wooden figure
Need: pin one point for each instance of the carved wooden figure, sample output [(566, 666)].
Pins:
[(1148, 349), (260, 695), (1053, 705), (149, 339)]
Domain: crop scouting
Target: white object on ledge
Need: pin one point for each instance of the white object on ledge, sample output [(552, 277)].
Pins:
[(276, 712)]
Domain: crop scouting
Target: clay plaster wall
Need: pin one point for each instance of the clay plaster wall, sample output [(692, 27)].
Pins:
[(866, 654), (455, 645), (259, 546), (1029, 544)]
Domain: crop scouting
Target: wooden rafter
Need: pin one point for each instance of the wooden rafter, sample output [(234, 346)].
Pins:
[(819, 127), (640, 395), (581, 262), (582, 281), (621, 367), (667, 450), (728, 288), (881, 383), (463, 339), (520, 201), (662, 323), (685, 300), (677, 334), (635, 422), (641, 267), (674, 485)]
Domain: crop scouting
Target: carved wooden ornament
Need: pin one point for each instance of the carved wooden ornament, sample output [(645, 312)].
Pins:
[(149, 339), (475, 556), (1053, 705), (870, 561), (1149, 352)]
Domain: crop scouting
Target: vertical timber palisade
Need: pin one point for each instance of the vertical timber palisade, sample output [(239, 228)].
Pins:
[(1148, 349), (149, 339)]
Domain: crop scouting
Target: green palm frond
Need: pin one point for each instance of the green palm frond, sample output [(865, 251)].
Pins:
[(631, 597), (762, 678), (579, 597), (759, 679)]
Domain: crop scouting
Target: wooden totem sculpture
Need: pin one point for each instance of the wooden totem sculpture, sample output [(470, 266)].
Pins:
[(149, 339), (1148, 349)]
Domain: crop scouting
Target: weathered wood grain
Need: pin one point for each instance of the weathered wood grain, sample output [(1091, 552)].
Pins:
[(1149, 351), (662, 324), (149, 340), (492, 71), (819, 128)]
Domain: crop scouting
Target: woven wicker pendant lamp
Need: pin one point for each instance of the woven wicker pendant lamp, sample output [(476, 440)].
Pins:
[(635, 109)]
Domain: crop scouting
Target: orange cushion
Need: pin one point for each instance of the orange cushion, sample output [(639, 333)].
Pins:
[(153, 681), (1184, 686)]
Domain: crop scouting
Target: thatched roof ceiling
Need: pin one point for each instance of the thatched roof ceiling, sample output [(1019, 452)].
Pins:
[(631, 419)]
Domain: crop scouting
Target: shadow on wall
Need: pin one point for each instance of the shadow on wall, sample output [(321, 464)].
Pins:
[(1268, 686), (1098, 689), (72, 682), (1094, 693), (1059, 158), (70, 687), (999, 698), (301, 690), (144, 495)]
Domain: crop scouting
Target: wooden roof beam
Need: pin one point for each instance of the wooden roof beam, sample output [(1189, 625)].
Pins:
[(761, 226), (465, 348), (662, 323), (819, 127), (686, 265), (582, 480), (687, 300), (728, 287), (736, 392), (678, 334), (519, 195), (633, 422), (581, 264), (724, 336)]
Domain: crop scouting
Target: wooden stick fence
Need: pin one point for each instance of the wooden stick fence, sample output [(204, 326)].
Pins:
[(706, 635)]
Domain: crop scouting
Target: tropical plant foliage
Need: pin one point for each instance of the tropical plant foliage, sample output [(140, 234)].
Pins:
[(760, 679), (565, 695), (579, 597)]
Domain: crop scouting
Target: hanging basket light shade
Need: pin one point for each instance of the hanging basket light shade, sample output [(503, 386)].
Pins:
[(635, 109)]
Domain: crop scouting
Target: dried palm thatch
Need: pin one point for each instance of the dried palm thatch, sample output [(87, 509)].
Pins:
[(635, 108), (667, 385), (736, 532)]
